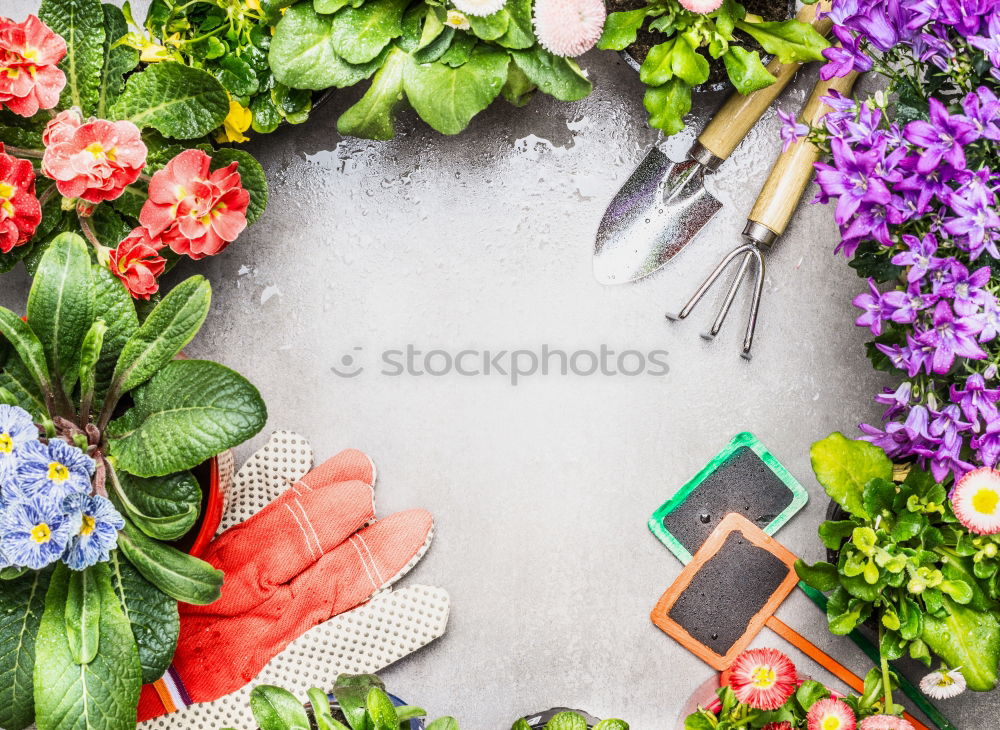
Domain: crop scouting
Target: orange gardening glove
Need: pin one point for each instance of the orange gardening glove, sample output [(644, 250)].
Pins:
[(313, 553)]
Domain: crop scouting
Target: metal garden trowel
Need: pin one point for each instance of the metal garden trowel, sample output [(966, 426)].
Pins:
[(664, 204)]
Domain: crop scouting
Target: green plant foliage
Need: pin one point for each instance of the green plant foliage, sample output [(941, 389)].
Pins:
[(81, 24), (673, 67), (22, 601), (905, 564)]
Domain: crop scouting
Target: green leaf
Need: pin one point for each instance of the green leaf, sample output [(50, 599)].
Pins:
[(164, 508), (251, 177), (321, 711), (520, 31), (358, 35), (701, 720), (275, 708), (16, 381), (448, 98), (960, 591), (101, 695), (351, 692), (566, 721), (236, 76), (823, 577), (171, 325), (28, 348), (61, 306), (834, 532), (83, 615), (187, 413), (460, 50), (81, 24), (667, 105), (621, 29), (611, 724), (809, 693), (114, 305), (746, 70), (22, 601), (177, 574), (558, 77), (266, 116), (909, 525), (118, 60), (381, 710), (789, 40), (302, 53), (328, 6), (518, 89), (371, 116), (490, 27), (176, 100), (520, 724), (844, 467), (151, 613), (90, 353)]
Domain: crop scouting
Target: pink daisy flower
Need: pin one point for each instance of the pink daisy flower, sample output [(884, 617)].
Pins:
[(976, 499), (763, 678), (569, 27), (701, 6), (831, 714)]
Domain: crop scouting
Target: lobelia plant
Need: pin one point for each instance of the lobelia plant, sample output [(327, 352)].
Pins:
[(448, 59), (103, 137), (696, 30), (360, 703), (764, 691), (905, 564), (915, 184), (99, 430)]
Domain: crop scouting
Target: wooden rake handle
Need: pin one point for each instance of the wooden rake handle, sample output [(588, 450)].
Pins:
[(830, 664), (740, 113), (794, 169)]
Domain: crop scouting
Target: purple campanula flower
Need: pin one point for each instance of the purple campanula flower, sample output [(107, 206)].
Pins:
[(792, 130), (990, 319), (898, 400), (845, 57), (919, 256), (874, 309), (983, 108), (975, 399), (947, 426), (987, 445), (931, 185), (904, 307), (951, 337), (850, 180), (966, 289), (943, 137), (976, 219)]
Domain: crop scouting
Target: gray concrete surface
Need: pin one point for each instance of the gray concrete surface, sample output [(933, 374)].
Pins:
[(540, 491)]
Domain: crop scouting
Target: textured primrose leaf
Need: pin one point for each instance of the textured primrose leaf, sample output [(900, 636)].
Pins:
[(22, 601), (372, 115), (118, 60), (114, 305), (251, 177), (178, 101), (61, 306), (28, 349), (360, 34), (83, 614), (151, 613), (164, 508), (302, 53), (556, 76), (179, 575), (81, 24), (275, 708), (15, 380), (188, 412), (448, 98), (101, 695)]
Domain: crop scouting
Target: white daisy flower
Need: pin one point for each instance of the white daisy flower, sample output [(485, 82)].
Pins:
[(943, 685), (481, 8), (976, 499), (457, 20)]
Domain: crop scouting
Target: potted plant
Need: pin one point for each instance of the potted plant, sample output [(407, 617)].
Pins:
[(679, 45), (118, 154), (358, 702), (908, 562), (448, 60), (101, 428), (762, 689), (561, 718)]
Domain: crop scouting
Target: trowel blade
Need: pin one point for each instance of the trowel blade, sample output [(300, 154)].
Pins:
[(660, 208)]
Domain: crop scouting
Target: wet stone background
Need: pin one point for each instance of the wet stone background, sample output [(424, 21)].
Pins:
[(540, 491)]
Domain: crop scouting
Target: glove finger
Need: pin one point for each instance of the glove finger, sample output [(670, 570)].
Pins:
[(372, 559), (283, 540), (347, 466)]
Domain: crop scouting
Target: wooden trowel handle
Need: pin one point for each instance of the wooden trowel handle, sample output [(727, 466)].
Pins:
[(794, 169), (739, 114)]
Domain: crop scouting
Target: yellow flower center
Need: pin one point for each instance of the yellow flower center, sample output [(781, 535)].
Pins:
[(87, 526), (764, 677), (97, 150), (985, 501), (30, 54), (832, 722), (12, 72), (6, 193), (6, 443), (41, 534), (58, 472)]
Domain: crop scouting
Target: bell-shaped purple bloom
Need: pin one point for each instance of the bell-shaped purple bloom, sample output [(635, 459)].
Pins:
[(874, 310), (943, 137), (918, 256), (983, 108), (975, 399), (951, 337), (850, 180)]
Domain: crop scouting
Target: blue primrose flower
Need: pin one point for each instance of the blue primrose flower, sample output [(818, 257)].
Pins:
[(34, 531), (99, 523), (55, 469), (16, 430)]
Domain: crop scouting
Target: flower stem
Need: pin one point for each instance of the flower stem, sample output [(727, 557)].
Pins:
[(886, 678), (23, 152), (88, 232)]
